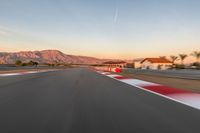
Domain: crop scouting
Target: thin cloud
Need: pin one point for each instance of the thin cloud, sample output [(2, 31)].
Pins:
[(5, 31), (116, 15)]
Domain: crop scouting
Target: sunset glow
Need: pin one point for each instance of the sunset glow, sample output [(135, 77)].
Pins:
[(118, 29)]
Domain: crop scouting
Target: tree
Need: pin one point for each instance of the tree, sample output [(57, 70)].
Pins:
[(31, 63), (182, 57), (36, 64), (18, 63), (173, 58), (196, 54)]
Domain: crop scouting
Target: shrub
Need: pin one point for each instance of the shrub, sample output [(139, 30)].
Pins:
[(18, 63), (24, 64), (180, 66), (159, 67), (32, 63), (196, 64)]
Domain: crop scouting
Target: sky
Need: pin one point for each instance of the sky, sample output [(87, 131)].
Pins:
[(123, 29)]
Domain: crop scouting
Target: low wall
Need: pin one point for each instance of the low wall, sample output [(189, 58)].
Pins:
[(108, 69)]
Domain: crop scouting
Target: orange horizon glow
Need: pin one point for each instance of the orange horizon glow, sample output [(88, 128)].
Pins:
[(126, 56), (128, 30)]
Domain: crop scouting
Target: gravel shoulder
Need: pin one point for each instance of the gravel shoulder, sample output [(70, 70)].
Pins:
[(182, 74)]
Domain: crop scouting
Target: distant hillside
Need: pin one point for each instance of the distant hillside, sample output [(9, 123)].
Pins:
[(46, 56)]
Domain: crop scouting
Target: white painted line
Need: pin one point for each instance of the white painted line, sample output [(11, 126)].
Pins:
[(192, 99), (105, 73), (138, 82), (9, 74), (113, 75), (24, 73), (171, 98)]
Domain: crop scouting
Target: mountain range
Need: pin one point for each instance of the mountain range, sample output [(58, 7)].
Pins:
[(46, 56)]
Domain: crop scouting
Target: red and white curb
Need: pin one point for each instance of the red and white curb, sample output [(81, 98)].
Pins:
[(182, 96), (23, 73)]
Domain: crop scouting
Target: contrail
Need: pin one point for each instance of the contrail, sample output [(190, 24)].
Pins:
[(116, 15)]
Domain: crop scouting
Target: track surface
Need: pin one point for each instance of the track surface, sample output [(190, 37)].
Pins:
[(83, 101)]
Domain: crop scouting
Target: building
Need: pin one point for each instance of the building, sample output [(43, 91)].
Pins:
[(120, 64), (156, 63), (112, 66), (137, 63)]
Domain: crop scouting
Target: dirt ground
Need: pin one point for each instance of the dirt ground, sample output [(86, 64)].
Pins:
[(187, 84)]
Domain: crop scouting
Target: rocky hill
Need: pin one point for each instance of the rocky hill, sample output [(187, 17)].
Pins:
[(46, 56)]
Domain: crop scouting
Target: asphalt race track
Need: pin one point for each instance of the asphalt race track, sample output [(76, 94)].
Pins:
[(82, 101)]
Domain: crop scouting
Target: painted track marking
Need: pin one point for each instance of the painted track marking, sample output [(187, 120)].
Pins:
[(182, 96)]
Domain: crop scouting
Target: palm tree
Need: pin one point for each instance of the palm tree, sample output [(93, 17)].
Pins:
[(196, 54), (173, 58), (182, 57)]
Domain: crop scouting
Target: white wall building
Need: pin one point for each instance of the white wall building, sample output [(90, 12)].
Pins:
[(156, 63), (137, 63)]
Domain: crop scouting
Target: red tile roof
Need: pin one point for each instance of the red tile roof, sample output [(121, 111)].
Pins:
[(156, 60)]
